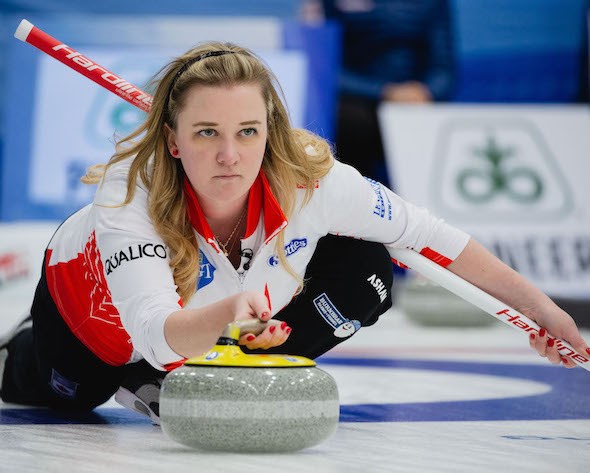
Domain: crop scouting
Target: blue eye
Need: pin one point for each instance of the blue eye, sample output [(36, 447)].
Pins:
[(207, 132), (249, 131)]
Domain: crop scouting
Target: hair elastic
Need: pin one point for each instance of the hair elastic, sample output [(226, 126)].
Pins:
[(198, 58)]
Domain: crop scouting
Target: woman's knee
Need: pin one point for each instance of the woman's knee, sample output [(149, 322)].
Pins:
[(359, 274), (351, 261)]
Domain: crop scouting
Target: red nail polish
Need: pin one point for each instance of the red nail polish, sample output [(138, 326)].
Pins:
[(542, 332), (533, 336), (564, 360), (250, 338), (288, 330), (550, 342), (588, 351), (272, 329), (283, 325)]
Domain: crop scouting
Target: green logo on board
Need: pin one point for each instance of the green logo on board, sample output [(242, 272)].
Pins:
[(498, 169), (490, 176)]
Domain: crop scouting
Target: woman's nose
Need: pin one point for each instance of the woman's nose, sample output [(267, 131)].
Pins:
[(228, 153)]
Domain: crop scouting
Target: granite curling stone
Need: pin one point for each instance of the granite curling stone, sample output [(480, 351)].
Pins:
[(228, 401)]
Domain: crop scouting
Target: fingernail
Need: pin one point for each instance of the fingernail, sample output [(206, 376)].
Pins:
[(265, 315), (283, 325), (532, 336), (288, 330), (588, 351), (250, 338), (564, 360), (550, 342), (542, 332), (271, 329)]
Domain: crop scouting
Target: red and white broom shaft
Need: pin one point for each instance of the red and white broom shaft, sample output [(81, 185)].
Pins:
[(29, 33), (481, 299)]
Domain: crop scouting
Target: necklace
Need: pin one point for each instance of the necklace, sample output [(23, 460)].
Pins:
[(223, 246)]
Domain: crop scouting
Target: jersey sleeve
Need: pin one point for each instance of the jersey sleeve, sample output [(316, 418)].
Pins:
[(362, 208), (136, 267)]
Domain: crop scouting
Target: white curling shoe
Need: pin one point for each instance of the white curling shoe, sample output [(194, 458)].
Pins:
[(141, 395)]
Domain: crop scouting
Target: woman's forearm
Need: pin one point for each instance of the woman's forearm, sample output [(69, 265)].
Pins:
[(191, 332), (481, 268)]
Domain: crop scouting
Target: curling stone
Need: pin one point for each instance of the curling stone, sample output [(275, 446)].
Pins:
[(428, 304), (226, 400)]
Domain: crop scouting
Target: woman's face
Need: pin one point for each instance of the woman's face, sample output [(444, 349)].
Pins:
[(221, 137)]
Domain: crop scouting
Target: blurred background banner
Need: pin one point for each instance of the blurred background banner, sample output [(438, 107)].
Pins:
[(58, 122), (514, 177), (520, 50)]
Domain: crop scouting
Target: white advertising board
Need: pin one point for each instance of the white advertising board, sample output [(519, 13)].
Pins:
[(515, 177)]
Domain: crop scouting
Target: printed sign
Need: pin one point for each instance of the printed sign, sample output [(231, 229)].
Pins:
[(514, 177)]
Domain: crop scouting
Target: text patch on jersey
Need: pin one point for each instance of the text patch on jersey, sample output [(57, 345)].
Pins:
[(383, 208), (343, 327), (133, 252), (62, 385), (379, 286), (290, 248), (206, 270)]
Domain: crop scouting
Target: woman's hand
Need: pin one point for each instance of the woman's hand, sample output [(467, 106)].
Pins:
[(191, 332), (249, 305), (478, 266), (273, 336), (254, 305), (555, 323), (407, 92)]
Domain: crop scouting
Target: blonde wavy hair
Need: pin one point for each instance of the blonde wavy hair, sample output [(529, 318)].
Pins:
[(294, 158)]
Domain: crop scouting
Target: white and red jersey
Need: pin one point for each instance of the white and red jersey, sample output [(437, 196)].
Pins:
[(108, 273)]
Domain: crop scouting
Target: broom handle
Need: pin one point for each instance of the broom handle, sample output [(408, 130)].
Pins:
[(481, 299)]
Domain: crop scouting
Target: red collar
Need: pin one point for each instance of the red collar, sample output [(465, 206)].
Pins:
[(260, 199)]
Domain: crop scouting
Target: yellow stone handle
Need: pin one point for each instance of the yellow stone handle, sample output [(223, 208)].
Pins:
[(255, 326)]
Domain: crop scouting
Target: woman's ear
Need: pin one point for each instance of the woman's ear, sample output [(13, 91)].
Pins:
[(171, 140)]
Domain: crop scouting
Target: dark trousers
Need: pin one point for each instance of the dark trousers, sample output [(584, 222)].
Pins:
[(48, 366), (348, 285)]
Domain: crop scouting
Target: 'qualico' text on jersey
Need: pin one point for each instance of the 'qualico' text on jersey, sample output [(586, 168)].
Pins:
[(147, 250)]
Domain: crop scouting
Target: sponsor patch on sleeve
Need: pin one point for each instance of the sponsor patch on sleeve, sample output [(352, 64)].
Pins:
[(383, 207)]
